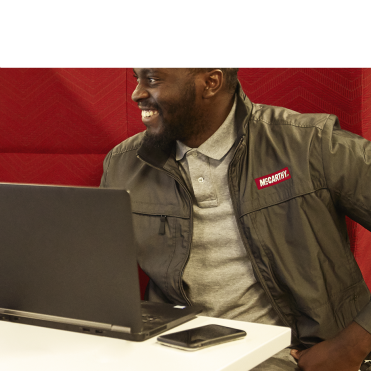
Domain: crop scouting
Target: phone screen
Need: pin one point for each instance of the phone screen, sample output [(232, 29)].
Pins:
[(200, 337)]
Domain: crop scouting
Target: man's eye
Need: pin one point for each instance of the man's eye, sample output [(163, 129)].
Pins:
[(149, 79)]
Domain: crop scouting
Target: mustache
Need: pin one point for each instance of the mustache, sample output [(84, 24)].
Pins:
[(148, 105)]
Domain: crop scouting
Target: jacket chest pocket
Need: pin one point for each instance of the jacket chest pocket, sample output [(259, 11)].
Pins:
[(155, 239), (161, 242)]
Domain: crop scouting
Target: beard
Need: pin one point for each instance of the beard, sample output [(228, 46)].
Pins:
[(186, 121)]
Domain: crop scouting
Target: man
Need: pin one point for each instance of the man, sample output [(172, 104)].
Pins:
[(240, 208)]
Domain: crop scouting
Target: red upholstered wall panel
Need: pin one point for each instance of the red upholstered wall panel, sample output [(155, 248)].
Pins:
[(67, 169), (62, 110), (337, 91), (57, 125)]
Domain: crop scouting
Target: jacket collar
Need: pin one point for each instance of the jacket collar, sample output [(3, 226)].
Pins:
[(159, 158), (243, 112)]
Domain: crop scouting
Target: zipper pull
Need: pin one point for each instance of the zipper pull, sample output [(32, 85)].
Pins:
[(162, 224)]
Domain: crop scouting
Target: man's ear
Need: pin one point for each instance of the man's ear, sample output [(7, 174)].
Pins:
[(214, 83)]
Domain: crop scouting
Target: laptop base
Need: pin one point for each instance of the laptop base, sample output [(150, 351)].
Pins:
[(157, 318)]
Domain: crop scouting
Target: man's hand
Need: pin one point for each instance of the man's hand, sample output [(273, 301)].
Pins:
[(345, 352)]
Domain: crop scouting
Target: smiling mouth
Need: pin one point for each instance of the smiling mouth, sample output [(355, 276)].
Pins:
[(149, 113)]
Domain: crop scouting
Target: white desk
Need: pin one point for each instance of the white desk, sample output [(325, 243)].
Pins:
[(29, 348)]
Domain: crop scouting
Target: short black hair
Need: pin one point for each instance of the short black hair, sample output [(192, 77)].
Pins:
[(230, 75)]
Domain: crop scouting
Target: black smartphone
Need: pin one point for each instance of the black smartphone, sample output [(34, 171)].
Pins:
[(201, 337)]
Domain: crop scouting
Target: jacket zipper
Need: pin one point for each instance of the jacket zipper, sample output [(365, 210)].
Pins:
[(253, 262), (191, 227), (162, 224)]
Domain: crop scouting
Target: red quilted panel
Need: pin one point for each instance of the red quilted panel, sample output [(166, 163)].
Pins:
[(362, 243), (59, 169), (309, 90), (366, 103), (62, 110)]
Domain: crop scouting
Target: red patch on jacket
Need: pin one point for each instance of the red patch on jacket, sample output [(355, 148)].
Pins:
[(273, 179)]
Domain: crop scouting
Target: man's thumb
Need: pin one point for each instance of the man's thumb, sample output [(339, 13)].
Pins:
[(296, 353)]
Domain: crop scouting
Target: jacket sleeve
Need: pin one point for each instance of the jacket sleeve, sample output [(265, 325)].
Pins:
[(347, 169), (106, 162)]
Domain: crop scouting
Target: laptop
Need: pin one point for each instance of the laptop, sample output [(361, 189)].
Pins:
[(68, 261)]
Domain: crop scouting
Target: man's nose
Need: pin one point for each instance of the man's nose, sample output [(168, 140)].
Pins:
[(139, 93)]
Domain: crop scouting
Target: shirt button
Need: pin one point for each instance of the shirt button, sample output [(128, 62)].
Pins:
[(195, 154), (201, 179)]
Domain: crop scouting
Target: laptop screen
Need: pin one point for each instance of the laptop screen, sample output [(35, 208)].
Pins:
[(69, 252)]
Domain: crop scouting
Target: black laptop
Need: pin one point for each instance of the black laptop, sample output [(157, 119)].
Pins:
[(68, 261)]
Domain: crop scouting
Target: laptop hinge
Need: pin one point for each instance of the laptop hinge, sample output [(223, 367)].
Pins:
[(68, 321), (126, 330)]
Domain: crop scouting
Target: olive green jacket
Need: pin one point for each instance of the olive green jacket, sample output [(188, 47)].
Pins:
[(292, 180)]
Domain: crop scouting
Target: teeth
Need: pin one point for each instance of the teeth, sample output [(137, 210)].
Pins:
[(149, 113)]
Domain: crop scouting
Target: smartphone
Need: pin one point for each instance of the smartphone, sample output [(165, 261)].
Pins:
[(201, 337)]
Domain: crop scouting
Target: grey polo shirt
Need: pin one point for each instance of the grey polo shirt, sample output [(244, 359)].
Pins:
[(219, 275)]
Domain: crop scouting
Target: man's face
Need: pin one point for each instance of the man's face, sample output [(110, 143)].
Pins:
[(169, 104)]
